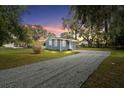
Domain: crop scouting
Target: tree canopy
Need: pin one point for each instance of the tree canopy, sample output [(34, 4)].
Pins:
[(105, 21), (10, 23)]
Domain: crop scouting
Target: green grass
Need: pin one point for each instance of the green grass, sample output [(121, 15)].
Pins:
[(10, 58), (110, 74)]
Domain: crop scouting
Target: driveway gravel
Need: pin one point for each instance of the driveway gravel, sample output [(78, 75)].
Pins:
[(67, 72)]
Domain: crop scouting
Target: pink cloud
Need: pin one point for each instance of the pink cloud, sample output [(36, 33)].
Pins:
[(57, 29)]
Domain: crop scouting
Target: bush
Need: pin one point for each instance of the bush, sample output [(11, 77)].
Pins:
[(37, 47)]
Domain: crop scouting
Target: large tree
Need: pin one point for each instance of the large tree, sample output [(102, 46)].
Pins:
[(37, 34), (107, 20), (72, 25), (10, 23)]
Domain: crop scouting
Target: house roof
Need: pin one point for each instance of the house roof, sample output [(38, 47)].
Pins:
[(63, 39)]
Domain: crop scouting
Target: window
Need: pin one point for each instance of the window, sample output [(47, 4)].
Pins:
[(55, 42), (64, 43), (50, 42)]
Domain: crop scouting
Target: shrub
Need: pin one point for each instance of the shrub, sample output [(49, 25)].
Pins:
[(37, 47)]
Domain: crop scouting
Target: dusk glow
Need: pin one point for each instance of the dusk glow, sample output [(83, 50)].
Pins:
[(57, 29), (50, 17)]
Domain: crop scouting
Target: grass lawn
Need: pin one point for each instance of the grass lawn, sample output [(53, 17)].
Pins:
[(10, 58), (110, 73)]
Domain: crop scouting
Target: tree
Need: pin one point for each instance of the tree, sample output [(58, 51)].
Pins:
[(38, 35), (66, 35), (72, 25), (107, 20), (10, 23), (88, 35), (49, 34)]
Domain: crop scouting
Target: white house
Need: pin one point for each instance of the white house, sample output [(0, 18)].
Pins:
[(60, 44)]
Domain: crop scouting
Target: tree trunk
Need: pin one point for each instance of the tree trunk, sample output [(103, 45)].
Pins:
[(97, 41), (98, 45), (76, 35), (1, 43), (106, 26), (106, 31), (89, 43)]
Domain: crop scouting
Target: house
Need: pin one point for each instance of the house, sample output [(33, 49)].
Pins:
[(60, 44), (10, 45)]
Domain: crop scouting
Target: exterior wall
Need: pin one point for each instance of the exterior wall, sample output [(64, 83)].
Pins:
[(64, 47), (11, 45), (60, 46), (52, 47), (74, 45)]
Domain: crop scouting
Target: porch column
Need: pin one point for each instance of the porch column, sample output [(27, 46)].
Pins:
[(70, 45), (60, 45)]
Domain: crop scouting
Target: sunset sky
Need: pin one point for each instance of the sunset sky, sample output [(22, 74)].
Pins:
[(50, 17)]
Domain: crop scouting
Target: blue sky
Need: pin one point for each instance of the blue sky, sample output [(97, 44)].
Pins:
[(49, 16)]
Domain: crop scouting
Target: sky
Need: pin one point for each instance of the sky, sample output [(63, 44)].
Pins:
[(50, 17)]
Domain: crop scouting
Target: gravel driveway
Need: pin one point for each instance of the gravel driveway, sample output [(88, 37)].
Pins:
[(70, 71)]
